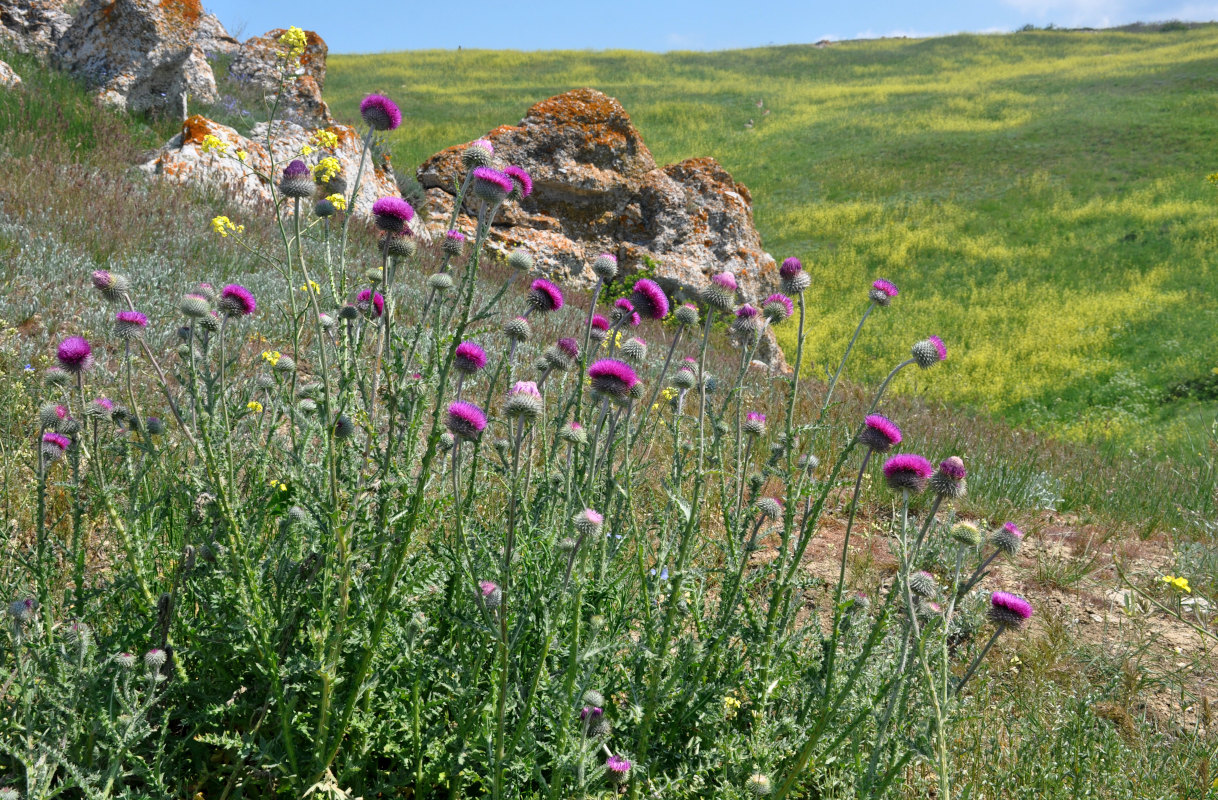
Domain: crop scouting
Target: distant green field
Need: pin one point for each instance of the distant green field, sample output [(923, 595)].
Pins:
[(1040, 197)]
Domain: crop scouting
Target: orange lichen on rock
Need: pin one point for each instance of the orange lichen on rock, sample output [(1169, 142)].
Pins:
[(195, 128)]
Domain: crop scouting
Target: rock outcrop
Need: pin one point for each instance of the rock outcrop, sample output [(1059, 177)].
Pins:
[(183, 160), (212, 38), (8, 78), (258, 62), (142, 55), (33, 26), (597, 188)]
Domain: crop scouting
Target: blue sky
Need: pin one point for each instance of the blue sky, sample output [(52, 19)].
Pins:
[(351, 26)]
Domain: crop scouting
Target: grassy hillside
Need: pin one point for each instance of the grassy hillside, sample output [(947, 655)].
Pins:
[(1040, 197)]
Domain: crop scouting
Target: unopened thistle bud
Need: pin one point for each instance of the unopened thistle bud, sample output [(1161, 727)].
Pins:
[(720, 293), (923, 584), (574, 433), (154, 426), (447, 442), (125, 660), (1008, 539), (490, 593), (344, 427), (348, 313), (296, 180), (966, 533), (523, 402), (588, 522), (770, 508), (634, 350), (51, 415), (686, 315), (154, 659), (112, 286), (440, 282), (400, 244), (518, 329), (754, 424), (758, 785), (929, 351), (195, 306), (307, 406), (57, 376), (684, 379), (478, 154), (605, 267), (285, 365)]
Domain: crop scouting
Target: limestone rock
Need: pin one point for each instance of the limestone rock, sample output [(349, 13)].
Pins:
[(259, 62), (8, 78), (33, 26), (597, 188), (212, 38), (141, 55), (183, 161)]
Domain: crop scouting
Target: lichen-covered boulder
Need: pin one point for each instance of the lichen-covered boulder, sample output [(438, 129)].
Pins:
[(597, 188), (142, 55), (33, 26), (8, 78), (212, 38), (184, 160), (258, 62)]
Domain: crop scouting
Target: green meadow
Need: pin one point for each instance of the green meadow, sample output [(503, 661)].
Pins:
[(1040, 197)]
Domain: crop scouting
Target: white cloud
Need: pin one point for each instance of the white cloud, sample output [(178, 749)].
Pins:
[(1073, 13)]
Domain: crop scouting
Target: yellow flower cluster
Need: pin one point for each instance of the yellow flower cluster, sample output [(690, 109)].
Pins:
[(1180, 584), (311, 287), (325, 139), (340, 202), (211, 143), (283, 487), (1212, 177), (243, 156), (306, 150), (271, 356), (224, 226), (295, 41), (254, 406), (667, 394), (326, 169), (731, 704)]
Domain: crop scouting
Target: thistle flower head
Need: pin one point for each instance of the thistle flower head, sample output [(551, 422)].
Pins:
[(453, 243), (777, 307), (882, 292), (923, 584), (544, 296), (794, 279), (880, 433), (470, 357), (111, 285), (398, 245), (101, 408), (379, 112), (520, 260), (929, 351), (440, 282), (392, 213), (790, 266), (23, 611), (522, 184), (617, 769), (195, 306), (125, 660), (686, 376), (154, 659), (518, 329), (296, 180), (56, 376), (770, 508), (966, 533), (1009, 611), (523, 402), (54, 445), (612, 378), (600, 327), (720, 293), (908, 471), (465, 420), (948, 480), (605, 267), (588, 522), (344, 427), (754, 424), (492, 185), (634, 350), (649, 299), (129, 324), (569, 346), (574, 433), (758, 784), (235, 300), (686, 315), (371, 303), (51, 415), (1008, 539), (74, 355), (477, 154), (622, 309), (591, 712)]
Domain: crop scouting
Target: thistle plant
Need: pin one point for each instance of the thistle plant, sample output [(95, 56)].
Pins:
[(386, 553)]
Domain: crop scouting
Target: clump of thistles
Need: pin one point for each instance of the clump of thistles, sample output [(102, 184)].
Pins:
[(882, 292), (1008, 538), (794, 279), (720, 293), (948, 480), (379, 112), (908, 472), (1009, 611), (754, 422), (777, 307), (929, 351), (544, 296), (236, 301), (470, 358), (880, 433), (111, 286), (296, 180), (588, 522), (478, 154), (522, 184), (466, 421), (612, 378), (523, 402), (649, 299), (129, 324), (492, 185), (75, 355), (392, 213)]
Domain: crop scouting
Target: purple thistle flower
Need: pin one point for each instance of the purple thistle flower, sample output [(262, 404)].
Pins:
[(880, 433), (525, 387), (755, 416), (568, 346), (522, 184), (523, 401), (649, 299), (622, 306), (591, 711), (56, 440), (612, 378), (370, 300), (617, 768), (75, 355), (953, 467), (453, 242), (599, 323), (635, 320), (1008, 539), (470, 357), (296, 181), (485, 144), (791, 267), (908, 471), (746, 311), (544, 296), (380, 112), (236, 300), (466, 420), (129, 324), (724, 280), (133, 318), (778, 307), (456, 236), (490, 593), (295, 169), (721, 293), (112, 287), (794, 279), (491, 184), (392, 213), (882, 292), (1009, 610), (929, 351), (104, 403), (949, 479)]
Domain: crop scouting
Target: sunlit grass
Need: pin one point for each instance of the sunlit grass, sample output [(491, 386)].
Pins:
[(1041, 195)]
